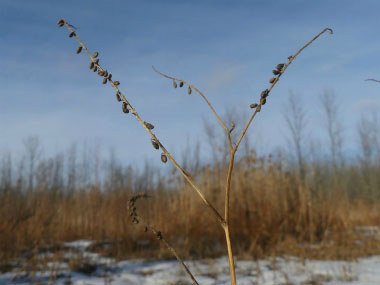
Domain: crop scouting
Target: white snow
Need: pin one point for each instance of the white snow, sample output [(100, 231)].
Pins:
[(279, 270)]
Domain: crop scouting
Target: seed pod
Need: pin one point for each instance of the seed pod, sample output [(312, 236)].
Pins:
[(181, 84), (272, 80), (276, 72), (280, 66), (189, 90), (155, 144), (145, 229), (109, 76), (95, 68), (174, 84), (164, 159), (72, 34), (91, 65), (265, 93), (105, 73), (125, 108), (252, 106), (61, 22), (95, 55), (116, 83), (290, 57), (104, 80), (149, 126), (79, 49), (97, 61), (258, 109), (263, 101), (118, 97), (159, 236), (100, 72), (136, 221)]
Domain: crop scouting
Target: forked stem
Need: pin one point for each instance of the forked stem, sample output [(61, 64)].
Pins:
[(224, 222)]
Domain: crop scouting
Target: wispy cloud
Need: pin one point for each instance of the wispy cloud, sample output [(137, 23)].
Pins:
[(367, 105), (224, 75)]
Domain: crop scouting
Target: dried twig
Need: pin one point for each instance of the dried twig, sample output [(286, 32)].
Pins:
[(136, 218), (371, 79), (127, 107), (280, 69), (191, 86)]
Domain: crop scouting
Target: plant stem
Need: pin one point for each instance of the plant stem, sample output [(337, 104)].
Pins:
[(227, 215)]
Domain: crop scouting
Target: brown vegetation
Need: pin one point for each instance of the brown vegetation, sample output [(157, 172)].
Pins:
[(273, 212)]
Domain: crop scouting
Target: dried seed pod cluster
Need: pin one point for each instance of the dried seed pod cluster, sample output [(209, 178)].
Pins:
[(181, 84), (277, 72), (133, 209), (264, 94), (159, 235), (79, 49)]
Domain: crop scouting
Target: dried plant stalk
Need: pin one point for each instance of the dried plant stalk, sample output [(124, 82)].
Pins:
[(223, 221), (138, 218)]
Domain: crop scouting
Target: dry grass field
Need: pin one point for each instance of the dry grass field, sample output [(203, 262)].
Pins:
[(273, 211)]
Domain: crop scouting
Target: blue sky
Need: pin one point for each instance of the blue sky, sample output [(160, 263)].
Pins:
[(226, 48)]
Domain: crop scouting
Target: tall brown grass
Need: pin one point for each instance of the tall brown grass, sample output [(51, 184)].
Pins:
[(273, 211)]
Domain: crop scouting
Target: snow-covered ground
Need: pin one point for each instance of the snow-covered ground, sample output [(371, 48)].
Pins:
[(281, 270)]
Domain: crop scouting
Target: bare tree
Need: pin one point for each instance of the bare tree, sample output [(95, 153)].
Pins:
[(295, 118), (368, 130), (33, 153), (6, 172), (333, 126)]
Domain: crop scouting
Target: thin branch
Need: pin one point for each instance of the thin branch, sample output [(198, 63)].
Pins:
[(148, 129), (290, 60), (138, 218), (371, 79), (199, 92)]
